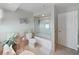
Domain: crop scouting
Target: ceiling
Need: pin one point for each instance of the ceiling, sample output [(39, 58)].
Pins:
[(9, 6), (63, 7), (67, 4), (31, 7), (36, 7)]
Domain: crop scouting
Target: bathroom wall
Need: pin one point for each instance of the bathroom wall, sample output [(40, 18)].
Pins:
[(11, 23)]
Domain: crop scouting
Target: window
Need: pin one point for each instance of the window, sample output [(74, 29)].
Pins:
[(47, 26), (43, 28)]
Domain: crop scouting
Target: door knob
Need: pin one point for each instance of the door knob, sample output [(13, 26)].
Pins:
[(59, 31)]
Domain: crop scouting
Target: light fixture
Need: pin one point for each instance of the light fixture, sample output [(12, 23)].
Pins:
[(1, 13), (43, 14)]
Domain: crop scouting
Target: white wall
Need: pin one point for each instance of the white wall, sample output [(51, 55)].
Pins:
[(72, 29), (52, 24), (11, 23)]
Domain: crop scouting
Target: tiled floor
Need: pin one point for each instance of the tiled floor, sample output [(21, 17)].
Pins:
[(36, 51), (39, 51), (61, 50)]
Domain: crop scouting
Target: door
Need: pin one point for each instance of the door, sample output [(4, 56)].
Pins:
[(68, 29), (61, 29)]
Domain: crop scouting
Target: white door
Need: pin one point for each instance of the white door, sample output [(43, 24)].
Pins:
[(68, 29), (61, 29)]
